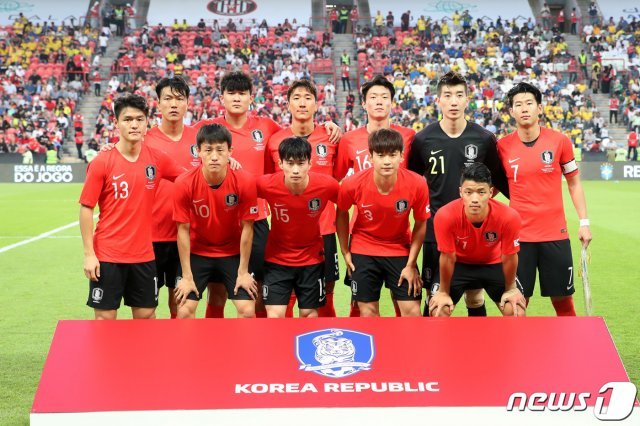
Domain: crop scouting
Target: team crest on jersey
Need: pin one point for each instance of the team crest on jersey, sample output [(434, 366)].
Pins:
[(314, 205), (232, 7), (471, 152), (402, 206), (257, 135), (150, 172), (322, 150), (335, 353), (231, 200), (491, 236), (194, 150), (606, 171), (547, 157)]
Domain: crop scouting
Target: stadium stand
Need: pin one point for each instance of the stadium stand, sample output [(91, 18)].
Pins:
[(44, 71)]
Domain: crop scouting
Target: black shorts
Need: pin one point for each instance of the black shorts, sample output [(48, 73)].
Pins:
[(216, 270), (554, 263), (331, 265), (136, 282), (256, 261), (474, 277), (306, 281), (372, 271), (167, 263), (430, 262)]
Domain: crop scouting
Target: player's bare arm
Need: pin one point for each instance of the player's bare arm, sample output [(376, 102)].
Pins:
[(245, 280), (441, 304), (580, 203), (342, 229), (410, 272), (512, 302), (91, 263), (186, 285), (234, 164)]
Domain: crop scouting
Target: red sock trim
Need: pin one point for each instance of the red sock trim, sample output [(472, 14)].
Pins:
[(564, 307), (292, 302), (214, 311)]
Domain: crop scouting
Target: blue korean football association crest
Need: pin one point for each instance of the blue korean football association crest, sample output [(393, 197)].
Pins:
[(335, 353), (606, 171)]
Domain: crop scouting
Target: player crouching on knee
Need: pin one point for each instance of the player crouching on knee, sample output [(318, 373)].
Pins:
[(478, 240)]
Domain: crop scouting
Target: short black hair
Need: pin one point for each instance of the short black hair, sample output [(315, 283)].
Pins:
[(451, 78), (378, 80), (130, 101), (236, 81), (294, 148), (524, 88), (176, 84), (385, 141), (477, 172), (305, 84), (213, 133)]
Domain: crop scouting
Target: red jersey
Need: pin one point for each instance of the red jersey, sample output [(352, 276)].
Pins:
[(498, 235), (323, 155), (184, 152), (215, 213), (382, 221), (249, 144), (124, 191), (632, 139), (353, 151), (295, 238), (535, 182)]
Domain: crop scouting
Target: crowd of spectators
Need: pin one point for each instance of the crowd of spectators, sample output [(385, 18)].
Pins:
[(44, 69), (273, 55), (495, 54)]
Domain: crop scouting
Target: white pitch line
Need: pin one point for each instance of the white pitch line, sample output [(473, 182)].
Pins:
[(38, 237), (53, 237)]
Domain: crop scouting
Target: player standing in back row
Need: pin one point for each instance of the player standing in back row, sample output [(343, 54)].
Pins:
[(303, 104), (535, 158), (250, 134), (353, 152), (441, 152)]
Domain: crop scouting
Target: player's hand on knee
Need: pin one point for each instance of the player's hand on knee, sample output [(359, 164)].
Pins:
[(185, 287), (440, 305), (91, 267), (516, 301), (247, 282), (410, 273)]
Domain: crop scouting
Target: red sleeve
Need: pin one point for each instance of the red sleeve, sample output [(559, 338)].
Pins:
[(249, 199), (421, 208), (261, 185), (334, 190), (181, 202), (93, 184), (269, 165), (341, 167), (567, 159), (443, 225), (346, 195), (168, 167), (511, 233)]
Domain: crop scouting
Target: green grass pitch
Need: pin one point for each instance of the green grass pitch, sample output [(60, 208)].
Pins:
[(42, 281)]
